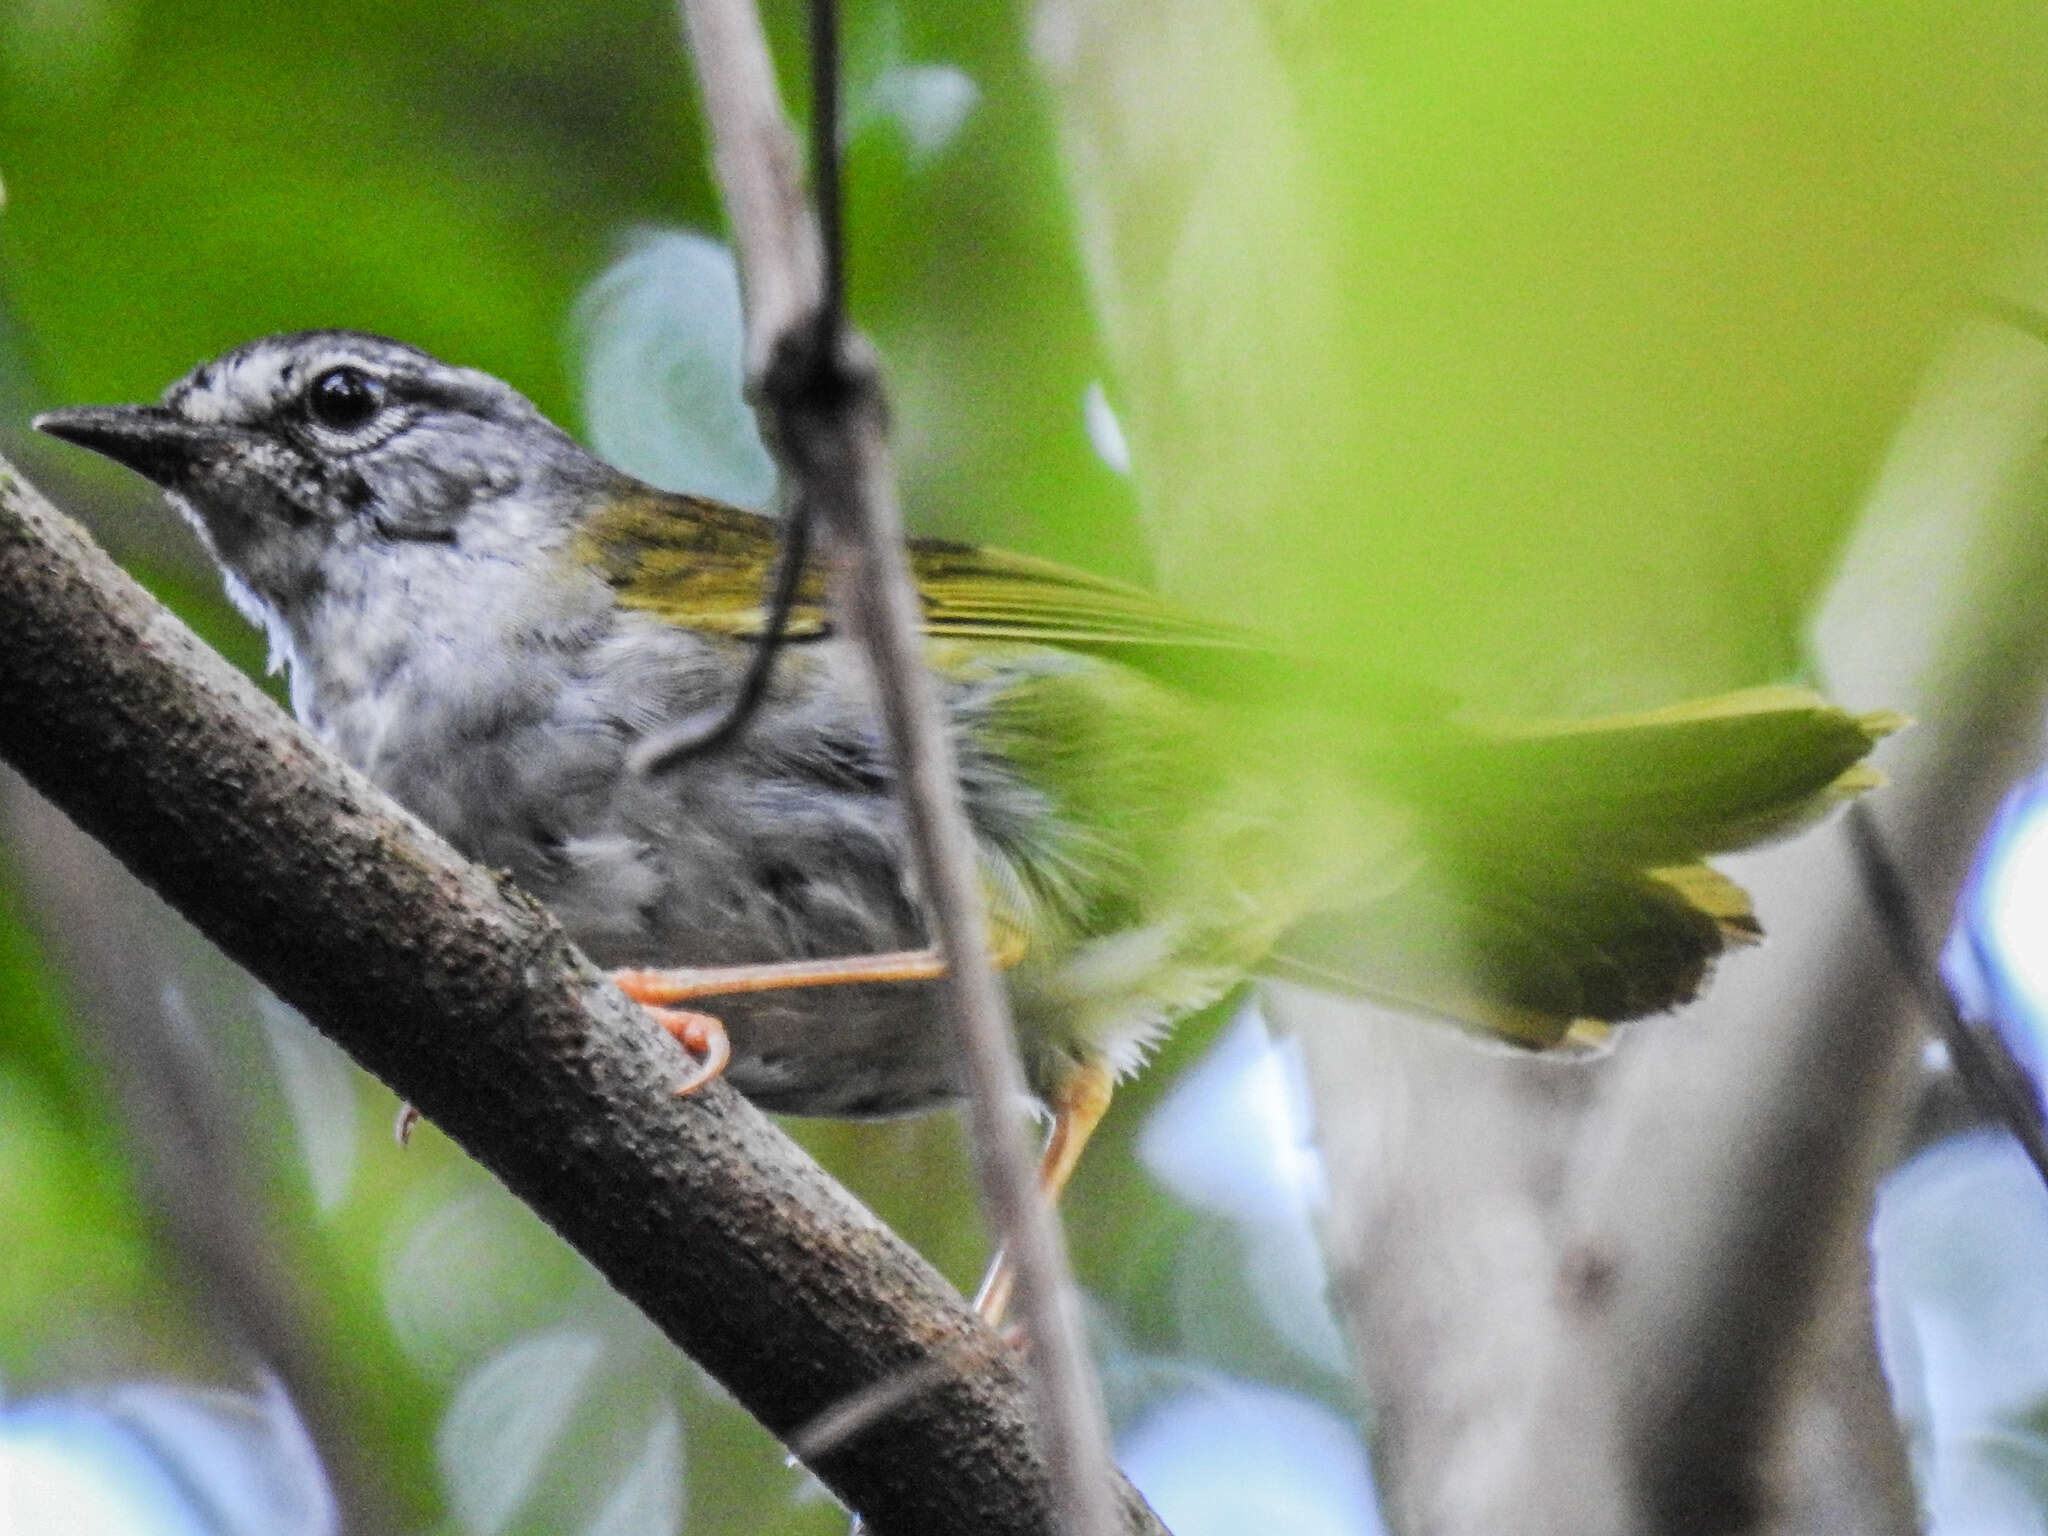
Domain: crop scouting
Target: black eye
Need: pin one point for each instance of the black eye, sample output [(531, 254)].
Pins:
[(343, 399)]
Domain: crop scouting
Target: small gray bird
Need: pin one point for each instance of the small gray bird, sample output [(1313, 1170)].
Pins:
[(501, 631)]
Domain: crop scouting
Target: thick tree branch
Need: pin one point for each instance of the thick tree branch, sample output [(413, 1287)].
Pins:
[(822, 405), (464, 995)]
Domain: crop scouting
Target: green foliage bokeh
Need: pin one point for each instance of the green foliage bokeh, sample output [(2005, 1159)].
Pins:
[(1543, 352)]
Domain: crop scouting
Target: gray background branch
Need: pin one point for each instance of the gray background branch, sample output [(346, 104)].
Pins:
[(1648, 1308)]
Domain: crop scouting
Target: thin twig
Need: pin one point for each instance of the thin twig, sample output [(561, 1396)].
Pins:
[(824, 418), (858, 1412), (690, 741), (1993, 1079), (674, 748), (754, 155), (826, 184)]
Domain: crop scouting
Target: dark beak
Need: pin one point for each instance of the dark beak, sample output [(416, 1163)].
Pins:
[(154, 442)]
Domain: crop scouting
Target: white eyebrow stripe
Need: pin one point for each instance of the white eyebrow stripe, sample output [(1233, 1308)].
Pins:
[(248, 387), (240, 388)]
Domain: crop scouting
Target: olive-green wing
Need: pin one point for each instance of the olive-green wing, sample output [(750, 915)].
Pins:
[(703, 565), (973, 593), (985, 592), (1564, 866), (698, 564)]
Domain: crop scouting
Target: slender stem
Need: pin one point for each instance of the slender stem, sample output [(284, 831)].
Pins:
[(689, 741), (878, 573), (823, 404), (754, 155), (1993, 1079), (826, 184), (692, 741)]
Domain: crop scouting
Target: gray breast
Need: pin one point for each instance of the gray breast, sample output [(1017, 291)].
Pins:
[(787, 844)]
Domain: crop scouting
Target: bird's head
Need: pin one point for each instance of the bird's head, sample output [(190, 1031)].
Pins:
[(297, 450)]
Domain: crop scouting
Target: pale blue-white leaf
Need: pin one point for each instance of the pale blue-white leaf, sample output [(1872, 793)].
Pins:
[(320, 1090), (1233, 1134), (1989, 1485), (1994, 960), (156, 1459), (505, 1419), (467, 1274), (1105, 430), (1233, 1137), (661, 356), (65, 1469), (1230, 1457), (648, 1500), (929, 103), (1960, 1245), (1134, 1381), (1287, 1275), (245, 1461)]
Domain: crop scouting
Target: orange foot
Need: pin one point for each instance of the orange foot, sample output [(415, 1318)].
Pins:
[(703, 1037), (1078, 1105)]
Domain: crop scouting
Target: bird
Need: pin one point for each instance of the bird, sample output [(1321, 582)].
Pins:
[(508, 635)]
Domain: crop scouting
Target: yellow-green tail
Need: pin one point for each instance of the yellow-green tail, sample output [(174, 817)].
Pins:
[(1563, 880)]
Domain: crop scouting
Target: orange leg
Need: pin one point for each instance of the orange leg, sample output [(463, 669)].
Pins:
[(1077, 1108), (704, 1035), (700, 1033), (692, 982)]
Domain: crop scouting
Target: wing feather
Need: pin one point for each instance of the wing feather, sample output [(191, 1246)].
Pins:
[(703, 565)]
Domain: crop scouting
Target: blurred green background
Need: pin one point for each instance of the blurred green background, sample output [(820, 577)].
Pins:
[(1543, 352)]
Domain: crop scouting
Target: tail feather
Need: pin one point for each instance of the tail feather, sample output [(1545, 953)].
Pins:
[(1665, 785), (1563, 881)]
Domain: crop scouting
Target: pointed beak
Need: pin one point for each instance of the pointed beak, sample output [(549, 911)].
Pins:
[(156, 443)]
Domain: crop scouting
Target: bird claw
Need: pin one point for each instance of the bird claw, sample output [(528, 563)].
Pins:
[(704, 1037), (698, 1033)]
